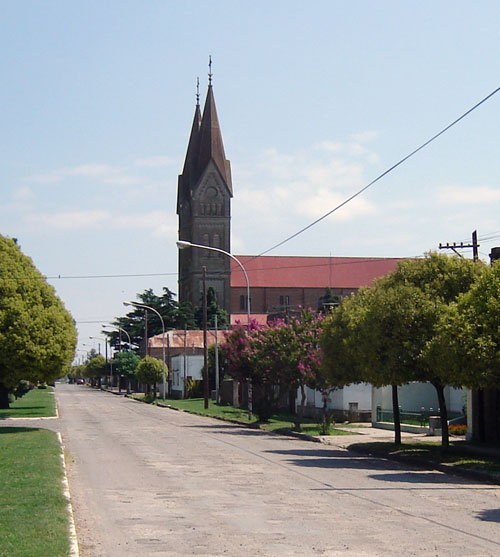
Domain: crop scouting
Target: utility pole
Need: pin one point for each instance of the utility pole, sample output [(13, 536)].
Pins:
[(205, 345), (474, 245)]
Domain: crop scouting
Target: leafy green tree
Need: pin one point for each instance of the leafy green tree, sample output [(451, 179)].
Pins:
[(126, 364), (467, 346), (95, 369), (328, 301), (150, 372), (174, 317), (441, 280), (213, 309), (37, 333), (394, 329)]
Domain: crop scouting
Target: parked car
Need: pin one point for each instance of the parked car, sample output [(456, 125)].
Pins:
[(80, 382)]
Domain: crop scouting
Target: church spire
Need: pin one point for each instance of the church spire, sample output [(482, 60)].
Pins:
[(190, 171), (211, 145)]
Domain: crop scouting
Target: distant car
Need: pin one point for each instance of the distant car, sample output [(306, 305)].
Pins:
[(80, 382)]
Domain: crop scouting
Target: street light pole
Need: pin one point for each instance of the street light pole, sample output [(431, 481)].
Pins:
[(110, 326), (181, 244), (144, 306), (110, 357)]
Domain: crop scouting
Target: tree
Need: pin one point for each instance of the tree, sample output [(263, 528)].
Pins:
[(328, 301), (173, 315), (213, 309), (95, 369), (37, 333), (126, 364), (441, 280), (150, 371)]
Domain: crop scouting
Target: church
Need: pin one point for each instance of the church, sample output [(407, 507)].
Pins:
[(278, 284)]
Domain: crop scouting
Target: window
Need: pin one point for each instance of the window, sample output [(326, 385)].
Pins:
[(284, 300), (243, 304)]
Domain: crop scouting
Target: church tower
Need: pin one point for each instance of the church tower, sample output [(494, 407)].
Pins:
[(204, 208)]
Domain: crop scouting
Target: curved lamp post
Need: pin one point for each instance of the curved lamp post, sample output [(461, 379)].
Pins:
[(182, 244), (110, 326), (144, 306)]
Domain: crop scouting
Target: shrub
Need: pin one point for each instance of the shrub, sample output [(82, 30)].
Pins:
[(326, 424), (457, 429)]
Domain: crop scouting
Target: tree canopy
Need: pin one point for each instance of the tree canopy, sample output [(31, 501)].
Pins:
[(37, 333)]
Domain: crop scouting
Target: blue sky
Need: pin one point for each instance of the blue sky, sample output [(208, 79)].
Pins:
[(315, 100)]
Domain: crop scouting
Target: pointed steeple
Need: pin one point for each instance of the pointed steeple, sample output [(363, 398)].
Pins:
[(190, 171), (211, 145)]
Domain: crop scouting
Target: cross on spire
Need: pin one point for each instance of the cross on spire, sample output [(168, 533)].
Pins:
[(210, 74)]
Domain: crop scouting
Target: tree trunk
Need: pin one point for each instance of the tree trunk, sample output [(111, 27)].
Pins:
[(397, 418), (443, 412), (4, 397), (300, 413)]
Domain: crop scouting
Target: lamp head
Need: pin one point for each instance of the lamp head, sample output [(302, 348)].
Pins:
[(182, 244)]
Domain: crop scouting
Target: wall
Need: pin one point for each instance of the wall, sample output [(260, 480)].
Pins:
[(194, 366), (414, 396)]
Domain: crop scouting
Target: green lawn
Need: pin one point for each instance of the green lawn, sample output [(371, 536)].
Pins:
[(240, 415), (38, 403), (33, 517), (461, 455)]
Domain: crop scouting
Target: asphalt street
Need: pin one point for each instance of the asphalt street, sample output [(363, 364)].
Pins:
[(153, 481)]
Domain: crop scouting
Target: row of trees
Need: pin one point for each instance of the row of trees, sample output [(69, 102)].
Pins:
[(37, 333), (435, 319), (147, 371)]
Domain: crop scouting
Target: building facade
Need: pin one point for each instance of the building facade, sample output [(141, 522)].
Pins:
[(278, 285)]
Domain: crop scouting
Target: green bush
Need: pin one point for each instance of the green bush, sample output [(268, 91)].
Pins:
[(327, 422)]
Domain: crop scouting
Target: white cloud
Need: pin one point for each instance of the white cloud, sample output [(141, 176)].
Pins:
[(159, 223), (306, 183), (317, 205), (459, 195), (23, 194)]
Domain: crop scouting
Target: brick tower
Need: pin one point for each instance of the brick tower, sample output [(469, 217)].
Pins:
[(204, 208)]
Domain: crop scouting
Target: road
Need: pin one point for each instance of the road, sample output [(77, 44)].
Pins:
[(152, 481)]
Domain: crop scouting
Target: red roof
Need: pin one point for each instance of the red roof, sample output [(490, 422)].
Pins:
[(278, 271), (194, 339)]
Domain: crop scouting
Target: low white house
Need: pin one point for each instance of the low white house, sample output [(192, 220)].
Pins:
[(353, 402), (184, 367)]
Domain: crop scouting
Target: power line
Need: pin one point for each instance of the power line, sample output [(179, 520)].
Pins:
[(109, 276), (380, 176)]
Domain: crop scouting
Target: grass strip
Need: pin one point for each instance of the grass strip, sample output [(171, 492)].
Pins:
[(37, 403), (34, 519), (279, 421), (461, 455)]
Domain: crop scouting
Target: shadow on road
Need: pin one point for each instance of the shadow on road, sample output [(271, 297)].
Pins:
[(229, 429), (489, 515)]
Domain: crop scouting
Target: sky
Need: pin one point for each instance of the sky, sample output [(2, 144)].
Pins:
[(315, 100)]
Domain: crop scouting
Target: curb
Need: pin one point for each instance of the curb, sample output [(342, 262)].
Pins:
[(73, 539)]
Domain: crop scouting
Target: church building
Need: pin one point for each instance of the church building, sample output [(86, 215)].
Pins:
[(278, 284)]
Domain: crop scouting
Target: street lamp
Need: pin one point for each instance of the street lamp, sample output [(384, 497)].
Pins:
[(110, 326), (144, 306), (182, 244), (110, 357)]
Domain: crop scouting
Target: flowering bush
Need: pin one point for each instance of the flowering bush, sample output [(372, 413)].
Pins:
[(457, 429)]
